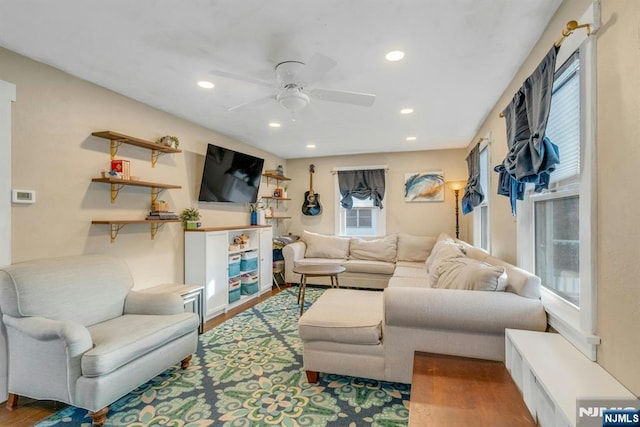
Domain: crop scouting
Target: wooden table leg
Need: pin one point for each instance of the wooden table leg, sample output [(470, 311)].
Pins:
[(300, 287), (337, 283), (304, 288)]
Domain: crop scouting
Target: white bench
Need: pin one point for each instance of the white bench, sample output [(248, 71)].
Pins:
[(552, 374)]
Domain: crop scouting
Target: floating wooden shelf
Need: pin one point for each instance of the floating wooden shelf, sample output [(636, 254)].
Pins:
[(117, 225), (276, 177), (275, 198), (118, 139), (117, 185)]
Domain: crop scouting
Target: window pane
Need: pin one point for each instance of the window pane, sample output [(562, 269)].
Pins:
[(484, 227), (563, 127), (557, 249), (364, 218), (484, 173), (352, 218)]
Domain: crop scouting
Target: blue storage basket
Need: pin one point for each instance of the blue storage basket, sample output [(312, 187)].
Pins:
[(234, 295), (234, 265), (249, 261), (249, 284)]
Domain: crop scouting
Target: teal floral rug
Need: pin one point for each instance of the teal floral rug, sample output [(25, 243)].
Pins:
[(248, 372)]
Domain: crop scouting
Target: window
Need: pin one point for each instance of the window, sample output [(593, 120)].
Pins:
[(555, 227), (556, 215), (363, 219), (481, 230)]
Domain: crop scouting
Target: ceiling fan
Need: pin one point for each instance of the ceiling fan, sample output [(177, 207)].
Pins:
[(292, 82)]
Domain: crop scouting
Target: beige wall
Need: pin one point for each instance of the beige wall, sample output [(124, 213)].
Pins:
[(55, 154), (618, 157), (418, 218)]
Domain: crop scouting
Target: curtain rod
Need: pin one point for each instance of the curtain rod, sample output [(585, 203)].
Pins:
[(336, 170), (566, 32)]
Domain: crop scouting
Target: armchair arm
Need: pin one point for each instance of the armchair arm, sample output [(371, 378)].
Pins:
[(76, 337), (292, 252), (153, 303)]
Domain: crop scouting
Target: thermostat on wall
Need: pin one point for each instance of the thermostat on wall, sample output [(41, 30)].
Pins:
[(23, 196)]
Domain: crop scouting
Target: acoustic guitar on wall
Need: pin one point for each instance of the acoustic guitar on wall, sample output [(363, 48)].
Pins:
[(311, 205)]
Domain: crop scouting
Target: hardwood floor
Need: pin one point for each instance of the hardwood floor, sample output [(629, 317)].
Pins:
[(30, 411), (458, 391)]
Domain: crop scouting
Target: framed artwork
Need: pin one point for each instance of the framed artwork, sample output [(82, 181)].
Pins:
[(424, 186)]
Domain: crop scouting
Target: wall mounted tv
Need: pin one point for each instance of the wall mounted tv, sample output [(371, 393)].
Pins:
[(230, 176)]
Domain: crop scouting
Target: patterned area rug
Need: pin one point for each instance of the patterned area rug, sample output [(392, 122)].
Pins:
[(248, 372)]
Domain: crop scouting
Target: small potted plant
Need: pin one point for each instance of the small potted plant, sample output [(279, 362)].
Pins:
[(169, 141), (190, 218)]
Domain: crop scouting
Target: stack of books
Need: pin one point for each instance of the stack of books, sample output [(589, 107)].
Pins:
[(162, 215)]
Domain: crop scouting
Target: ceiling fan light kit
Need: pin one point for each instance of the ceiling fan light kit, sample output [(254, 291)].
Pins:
[(293, 100), (292, 81)]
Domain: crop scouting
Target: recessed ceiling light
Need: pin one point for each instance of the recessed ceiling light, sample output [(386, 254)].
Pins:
[(411, 138), (406, 111), (394, 55), (206, 84), (274, 125), (311, 145)]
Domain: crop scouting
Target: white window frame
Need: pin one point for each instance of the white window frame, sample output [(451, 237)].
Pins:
[(576, 324), (340, 212), (485, 145)]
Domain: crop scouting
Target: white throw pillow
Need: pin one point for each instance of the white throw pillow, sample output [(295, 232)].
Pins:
[(449, 247), (325, 246), (470, 274), (414, 248), (374, 250)]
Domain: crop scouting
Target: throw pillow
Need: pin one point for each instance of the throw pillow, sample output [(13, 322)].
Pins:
[(449, 247), (414, 248), (374, 250), (470, 274), (325, 246)]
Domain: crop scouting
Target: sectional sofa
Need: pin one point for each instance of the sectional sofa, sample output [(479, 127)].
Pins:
[(458, 300), (369, 263)]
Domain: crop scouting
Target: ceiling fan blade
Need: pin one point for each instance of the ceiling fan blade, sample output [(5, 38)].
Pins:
[(363, 99), (315, 68), (240, 77), (255, 102)]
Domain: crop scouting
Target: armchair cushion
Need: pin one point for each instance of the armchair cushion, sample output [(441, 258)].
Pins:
[(120, 340)]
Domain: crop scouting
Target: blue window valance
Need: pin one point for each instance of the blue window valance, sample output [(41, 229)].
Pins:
[(532, 156), (473, 194), (361, 184)]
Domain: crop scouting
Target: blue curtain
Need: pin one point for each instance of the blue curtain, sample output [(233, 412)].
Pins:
[(532, 156), (473, 194), (361, 184)]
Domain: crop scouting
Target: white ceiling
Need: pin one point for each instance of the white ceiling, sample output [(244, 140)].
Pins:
[(460, 56)]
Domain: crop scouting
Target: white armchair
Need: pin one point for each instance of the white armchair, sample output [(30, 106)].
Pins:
[(76, 333)]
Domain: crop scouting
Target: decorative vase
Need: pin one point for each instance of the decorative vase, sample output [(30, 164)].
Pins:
[(192, 225), (254, 218)]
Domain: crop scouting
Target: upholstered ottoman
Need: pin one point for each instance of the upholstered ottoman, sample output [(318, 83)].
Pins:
[(342, 334)]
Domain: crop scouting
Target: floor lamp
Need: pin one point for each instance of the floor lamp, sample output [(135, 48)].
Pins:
[(456, 186)]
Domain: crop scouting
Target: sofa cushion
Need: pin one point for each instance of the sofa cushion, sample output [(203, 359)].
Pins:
[(408, 271), (443, 249), (470, 274), (344, 316), (519, 281), (325, 246), (414, 248), (126, 338), (409, 282), (321, 261), (375, 250), (366, 266)]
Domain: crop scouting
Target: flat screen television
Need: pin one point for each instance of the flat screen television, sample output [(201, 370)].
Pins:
[(230, 176)]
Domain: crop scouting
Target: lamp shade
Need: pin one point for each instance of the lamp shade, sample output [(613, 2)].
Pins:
[(456, 185)]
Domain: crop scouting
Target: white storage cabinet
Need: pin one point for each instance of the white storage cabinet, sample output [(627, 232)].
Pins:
[(210, 260)]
